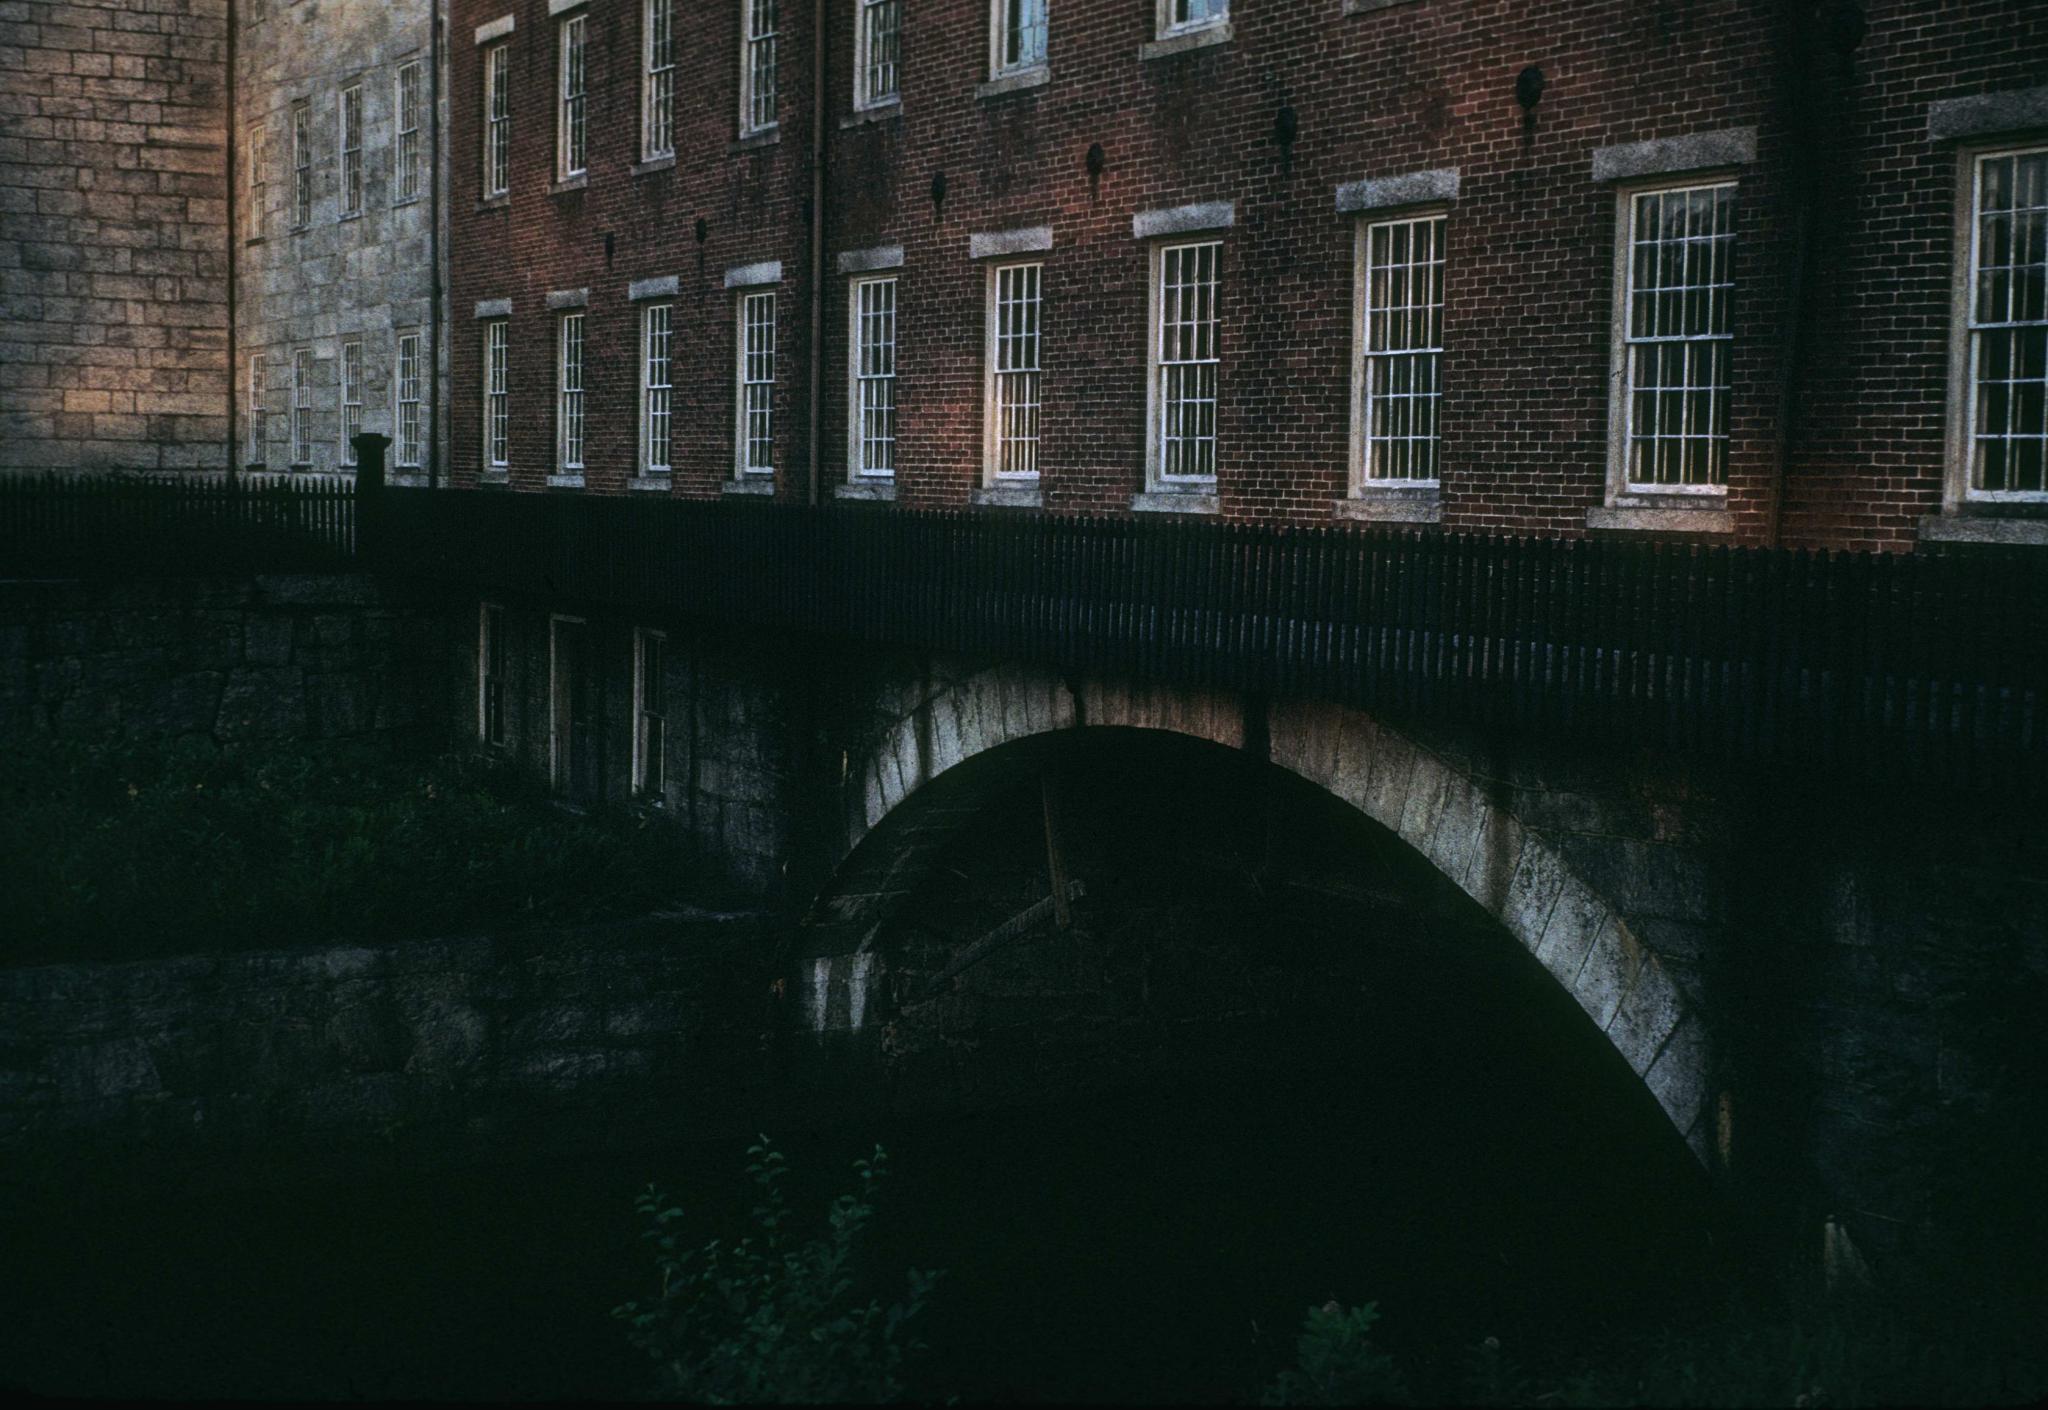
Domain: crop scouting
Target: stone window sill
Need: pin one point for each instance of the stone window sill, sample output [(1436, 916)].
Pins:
[(880, 112), (665, 162), (649, 484), (1205, 38), (753, 141), (495, 477), (403, 201), (1392, 507), (1982, 528), (570, 183), (346, 216), (254, 240), (882, 491), (1011, 496), (407, 479), (495, 203), (573, 481), (1711, 518), (1174, 502), (1022, 81), (754, 484)]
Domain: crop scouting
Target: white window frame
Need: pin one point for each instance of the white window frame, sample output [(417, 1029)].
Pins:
[(497, 400), (572, 97), (490, 637), (1172, 23), (497, 128), (748, 364), (997, 348), (657, 80), (257, 160), (1622, 488), (561, 704), (1156, 474), (652, 392), (349, 391), (255, 429), (858, 379), (869, 16), (1966, 340), (759, 54), (408, 414), (349, 143), (1001, 62), (570, 450), (1363, 480), (649, 706), (302, 165), (408, 98), (302, 409)]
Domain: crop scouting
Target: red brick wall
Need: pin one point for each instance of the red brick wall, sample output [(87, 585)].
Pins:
[(1418, 85)]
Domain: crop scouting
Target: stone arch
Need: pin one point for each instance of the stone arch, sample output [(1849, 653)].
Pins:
[(1448, 815)]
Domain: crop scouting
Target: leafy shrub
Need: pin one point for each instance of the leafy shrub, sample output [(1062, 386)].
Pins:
[(1336, 1362), (768, 1320)]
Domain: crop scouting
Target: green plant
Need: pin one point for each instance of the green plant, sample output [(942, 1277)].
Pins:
[(1336, 1362), (769, 1320)]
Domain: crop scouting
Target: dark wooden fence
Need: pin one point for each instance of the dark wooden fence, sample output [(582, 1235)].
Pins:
[(132, 526), (1887, 664)]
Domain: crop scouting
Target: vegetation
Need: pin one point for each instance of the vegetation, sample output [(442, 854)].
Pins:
[(768, 1320), (128, 851)]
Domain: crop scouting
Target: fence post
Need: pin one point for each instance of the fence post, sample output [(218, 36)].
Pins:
[(370, 448)]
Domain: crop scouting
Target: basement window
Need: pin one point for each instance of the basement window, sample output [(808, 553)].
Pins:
[(650, 715), (490, 674)]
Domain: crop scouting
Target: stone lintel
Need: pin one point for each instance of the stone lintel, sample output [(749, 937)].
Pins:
[(862, 261), (659, 286), (1982, 528), (569, 298), (1681, 520), (494, 29), (747, 276), (989, 244), (1181, 220), (494, 308), (1412, 188), (1699, 151), (1988, 114)]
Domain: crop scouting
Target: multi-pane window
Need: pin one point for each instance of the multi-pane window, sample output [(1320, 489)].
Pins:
[(302, 407), (757, 66), (409, 159), (351, 144), (655, 389), (497, 396), (569, 124), (1677, 334), (2007, 442), (876, 49), (351, 399), (1013, 368), (569, 397), (874, 377), (302, 165), (498, 120), (1178, 15), (255, 455), (411, 443), (658, 116), (1019, 35), (490, 674), (258, 162), (756, 432), (1401, 344), (1186, 362), (650, 720)]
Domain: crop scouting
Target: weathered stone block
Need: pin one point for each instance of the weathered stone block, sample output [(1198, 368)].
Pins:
[(263, 703)]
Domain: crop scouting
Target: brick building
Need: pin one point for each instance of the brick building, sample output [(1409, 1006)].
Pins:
[(1304, 260)]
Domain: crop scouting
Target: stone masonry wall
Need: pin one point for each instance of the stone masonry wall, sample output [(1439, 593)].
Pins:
[(113, 234), (273, 658)]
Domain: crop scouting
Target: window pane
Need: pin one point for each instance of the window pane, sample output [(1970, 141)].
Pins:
[(1679, 333), (2009, 324), (1403, 319), (1187, 361), (1015, 369)]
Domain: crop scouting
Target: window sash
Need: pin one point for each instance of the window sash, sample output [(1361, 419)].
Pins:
[(497, 401), (302, 408), (658, 134), (570, 118), (758, 67), (569, 404), (2005, 435), (407, 381), (756, 432), (1188, 362), (1677, 334), (256, 426), (1401, 346), (877, 69), (1020, 35), (351, 399), (650, 737), (497, 120), (351, 144), (407, 185), (302, 167), (1015, 348), (874, 378), (656, 430), (1181, 16), (258, 161), (490, 674)]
